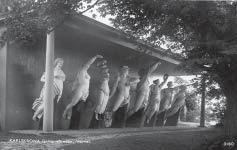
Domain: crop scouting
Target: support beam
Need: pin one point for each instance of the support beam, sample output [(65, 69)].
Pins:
[(203, 102), (49, 79), (3, 82)]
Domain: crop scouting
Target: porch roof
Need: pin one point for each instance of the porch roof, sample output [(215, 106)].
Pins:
[(95, 28)]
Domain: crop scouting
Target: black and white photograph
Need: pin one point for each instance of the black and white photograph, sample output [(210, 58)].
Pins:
[(118, 74)]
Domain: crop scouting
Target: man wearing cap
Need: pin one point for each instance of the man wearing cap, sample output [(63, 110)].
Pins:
[(154, 100)]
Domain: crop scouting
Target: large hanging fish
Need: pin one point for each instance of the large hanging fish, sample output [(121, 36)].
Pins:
[(102, 90), (142, 91), (118, 94), (178, 101), (103, 95)]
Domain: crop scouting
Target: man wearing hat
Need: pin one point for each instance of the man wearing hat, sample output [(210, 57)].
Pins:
[(154, 100)]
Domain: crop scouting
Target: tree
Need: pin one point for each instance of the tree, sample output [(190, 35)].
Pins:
[(193, 107), (199, 30), (215, 99), (28, 21)]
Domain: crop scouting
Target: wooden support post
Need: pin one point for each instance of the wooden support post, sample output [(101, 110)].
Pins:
[(49, 79), (3, 82), (202, 117)]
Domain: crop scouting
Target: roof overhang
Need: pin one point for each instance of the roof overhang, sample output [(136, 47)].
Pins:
[(105, 32)]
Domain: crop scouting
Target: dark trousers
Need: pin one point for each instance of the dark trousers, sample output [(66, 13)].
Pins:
[(136, 119), (76, 112), (173, 120), (161, 118), (152, 121), (119, 117), (96, 124)]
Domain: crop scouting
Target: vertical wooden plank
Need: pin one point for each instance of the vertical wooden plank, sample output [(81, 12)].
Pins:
[(203, 102), (3, 85), (49, 79), (3, 81)]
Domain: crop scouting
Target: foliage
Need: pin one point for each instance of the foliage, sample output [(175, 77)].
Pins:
[(191, 101), (215, 98), (29, 20), (218, 110), (201, 30), (193, 107)]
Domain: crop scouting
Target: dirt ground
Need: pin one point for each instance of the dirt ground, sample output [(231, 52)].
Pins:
[(188, 139), (165, 138)]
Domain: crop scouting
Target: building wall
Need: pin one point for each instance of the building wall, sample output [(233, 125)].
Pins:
[(26, 65)]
